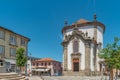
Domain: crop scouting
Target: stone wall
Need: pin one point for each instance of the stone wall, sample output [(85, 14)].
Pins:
[(2, 70), (80, 73)]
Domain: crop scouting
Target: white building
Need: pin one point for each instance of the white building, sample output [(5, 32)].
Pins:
[(81, 43)]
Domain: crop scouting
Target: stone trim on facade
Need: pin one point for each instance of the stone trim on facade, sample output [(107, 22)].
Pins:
[(65, 58), (77, 44), (84, 24), (95, 57), (80, 73), (87, 58), (76, 56)]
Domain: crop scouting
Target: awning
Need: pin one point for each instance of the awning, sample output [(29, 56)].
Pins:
[(10, 60), (41, 70)]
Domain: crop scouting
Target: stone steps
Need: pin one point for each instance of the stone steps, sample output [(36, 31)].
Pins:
[(11, 76)]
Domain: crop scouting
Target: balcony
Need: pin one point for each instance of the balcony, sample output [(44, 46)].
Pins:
[(13, 43)]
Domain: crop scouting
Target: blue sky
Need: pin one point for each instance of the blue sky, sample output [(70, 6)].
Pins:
[(42, 21)]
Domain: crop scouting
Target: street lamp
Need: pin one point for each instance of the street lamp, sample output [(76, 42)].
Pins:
[(26, 66), (30, 67)]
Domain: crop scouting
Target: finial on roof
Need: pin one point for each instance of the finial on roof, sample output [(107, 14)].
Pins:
[(75, 27), (95, 17), (66, 22)]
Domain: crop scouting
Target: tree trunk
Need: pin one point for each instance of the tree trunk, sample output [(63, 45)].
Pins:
[(116, 74), (111, 74), (20, 70)]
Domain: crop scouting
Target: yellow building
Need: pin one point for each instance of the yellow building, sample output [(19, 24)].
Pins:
[(10, 41)]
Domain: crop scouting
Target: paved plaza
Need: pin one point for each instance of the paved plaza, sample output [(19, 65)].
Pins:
[(35, 78), (68, 78)]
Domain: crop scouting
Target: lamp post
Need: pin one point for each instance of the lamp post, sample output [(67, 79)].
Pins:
[(30, 64), (26, 65)]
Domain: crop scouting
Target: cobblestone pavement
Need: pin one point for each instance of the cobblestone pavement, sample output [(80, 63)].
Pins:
[(74, 78), (67, 78), (70, 78), (34, 78)]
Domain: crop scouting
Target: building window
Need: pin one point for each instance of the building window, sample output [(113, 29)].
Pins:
[(28, 66), (49, 63), (1, 63), (41, 64), (36, 64), (54, 71), (45, 64), (75, 46), (12, 52), (13, 39), (54, 64), (2, 49), (23, 42), (2, 35), (33, 64)]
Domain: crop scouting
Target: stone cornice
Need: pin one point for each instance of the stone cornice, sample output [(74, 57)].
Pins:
[(76, 54), (85, 24)]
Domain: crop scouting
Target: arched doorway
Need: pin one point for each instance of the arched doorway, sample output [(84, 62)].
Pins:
[(76, 64)]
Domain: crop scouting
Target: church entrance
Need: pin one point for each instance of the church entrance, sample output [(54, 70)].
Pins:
[(75, 64)]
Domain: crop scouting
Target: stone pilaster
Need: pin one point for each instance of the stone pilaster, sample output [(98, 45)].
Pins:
[(87, 59), (65, 58), (95, 58), (95, 46)]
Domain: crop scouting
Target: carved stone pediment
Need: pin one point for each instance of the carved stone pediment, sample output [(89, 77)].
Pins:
[(75, 54), (78, 35)]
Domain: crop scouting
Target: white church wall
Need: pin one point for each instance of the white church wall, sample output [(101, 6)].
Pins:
[(91, 59), (89, 29), (70, 50), (82, 51), (68, 32), (99, 34)]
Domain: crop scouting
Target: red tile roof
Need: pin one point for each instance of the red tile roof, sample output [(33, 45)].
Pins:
[(82, 21), (45, 59)]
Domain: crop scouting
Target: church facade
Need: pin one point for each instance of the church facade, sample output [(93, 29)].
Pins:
[(82, 42)]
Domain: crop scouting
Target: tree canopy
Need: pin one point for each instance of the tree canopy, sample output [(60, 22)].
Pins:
[(20, 57), (111, 56)]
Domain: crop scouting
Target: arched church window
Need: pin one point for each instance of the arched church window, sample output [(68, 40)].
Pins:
[(75, 46)]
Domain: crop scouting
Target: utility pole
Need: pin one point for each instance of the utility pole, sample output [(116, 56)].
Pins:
[(26, 74), (26, 65)]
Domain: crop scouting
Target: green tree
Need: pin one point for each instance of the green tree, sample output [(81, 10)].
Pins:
[(111, 56), (21, 58)]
